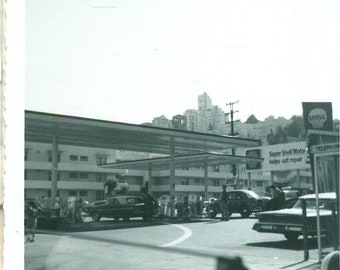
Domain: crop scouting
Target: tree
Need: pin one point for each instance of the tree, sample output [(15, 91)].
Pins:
[(123, 190), (280, 136), (252, 119), (109, 186), (296, 127)]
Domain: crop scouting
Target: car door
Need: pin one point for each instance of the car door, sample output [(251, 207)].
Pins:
[(139, 206), (99, 208), (114, 207), (127, 206), (234, 201)]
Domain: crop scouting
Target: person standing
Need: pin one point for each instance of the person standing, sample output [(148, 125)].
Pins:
[(149, 203), (224, 204), (31, 225), (278, 198)]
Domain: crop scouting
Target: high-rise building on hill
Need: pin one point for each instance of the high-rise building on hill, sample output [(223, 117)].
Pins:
[(191, 116), (179, 122), (209, 118), (161, 121)]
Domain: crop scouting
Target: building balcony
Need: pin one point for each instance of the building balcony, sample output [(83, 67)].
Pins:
[(79, 167), (189, 173), (36, 184), (72, 185)]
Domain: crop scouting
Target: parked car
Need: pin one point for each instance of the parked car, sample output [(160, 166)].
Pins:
[(291, 196), (118, 207), (244, 202), (289, 222), (46, 215)]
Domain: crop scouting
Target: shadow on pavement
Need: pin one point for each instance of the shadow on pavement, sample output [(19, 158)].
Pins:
[(285, 244), (303, 266), (120, 224)]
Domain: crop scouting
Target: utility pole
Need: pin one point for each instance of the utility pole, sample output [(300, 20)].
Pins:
[(232, 131)]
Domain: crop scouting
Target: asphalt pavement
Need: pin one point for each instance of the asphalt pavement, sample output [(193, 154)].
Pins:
[(295, 260)]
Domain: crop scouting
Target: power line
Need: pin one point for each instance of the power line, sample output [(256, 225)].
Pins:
[(232, 131)]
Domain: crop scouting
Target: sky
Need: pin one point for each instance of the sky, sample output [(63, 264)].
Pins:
[(133, 60)]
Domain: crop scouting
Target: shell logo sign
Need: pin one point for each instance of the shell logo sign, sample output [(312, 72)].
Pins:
[(318, 115)]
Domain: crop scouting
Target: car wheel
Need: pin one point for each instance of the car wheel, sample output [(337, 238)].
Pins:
[(116, 218), (212, 214), (126, 218), (244, 212), (96, 217), (291, 236)]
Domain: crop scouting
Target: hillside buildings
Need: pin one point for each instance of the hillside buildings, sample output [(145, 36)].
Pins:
[(209, 118)]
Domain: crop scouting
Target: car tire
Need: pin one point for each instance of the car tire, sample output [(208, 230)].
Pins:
[(95, 217), (126, 218), (291, 236), (245, 213), (212, 214)]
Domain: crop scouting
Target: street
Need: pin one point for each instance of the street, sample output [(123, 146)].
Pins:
[(161, 244)]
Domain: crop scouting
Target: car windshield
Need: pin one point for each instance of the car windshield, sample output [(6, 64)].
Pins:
[(323, 204), (252, 194)]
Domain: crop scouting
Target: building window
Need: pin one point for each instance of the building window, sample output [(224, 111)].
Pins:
[(83, 193), (230, 181), (101, 160), (197, 180), (50, 156), (73, 175), (100, 177), (73, 157), (72, 193), (50, 176), (259, 183), (185, 181), (99, 195), (83, 176), (216, 182), (139, 180), (84, 158)]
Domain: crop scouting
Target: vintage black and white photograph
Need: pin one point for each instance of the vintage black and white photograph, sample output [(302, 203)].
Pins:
[(178, 135)]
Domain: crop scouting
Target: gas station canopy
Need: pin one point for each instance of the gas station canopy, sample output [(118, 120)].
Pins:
[(183, 161), (71, 130)]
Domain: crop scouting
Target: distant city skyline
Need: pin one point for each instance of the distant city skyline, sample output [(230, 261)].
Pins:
[(227, 110)]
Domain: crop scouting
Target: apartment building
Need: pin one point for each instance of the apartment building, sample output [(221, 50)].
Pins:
[(79, 171), (80, 174)]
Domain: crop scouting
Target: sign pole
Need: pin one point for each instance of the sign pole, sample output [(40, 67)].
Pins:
[(317, 208)]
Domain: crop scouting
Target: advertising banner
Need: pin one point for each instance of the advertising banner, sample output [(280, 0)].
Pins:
[(282, 157)]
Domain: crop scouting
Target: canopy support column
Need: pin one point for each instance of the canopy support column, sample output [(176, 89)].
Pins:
[(54, 174), (205, 179), (172, 179), (150, 179)]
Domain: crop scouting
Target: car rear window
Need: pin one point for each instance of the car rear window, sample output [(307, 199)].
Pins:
[(311, 204)]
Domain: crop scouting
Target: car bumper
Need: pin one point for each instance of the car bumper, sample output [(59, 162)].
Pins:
[(276, 228)]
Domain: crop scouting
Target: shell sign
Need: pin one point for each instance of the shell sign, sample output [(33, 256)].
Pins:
[(318, 115)]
